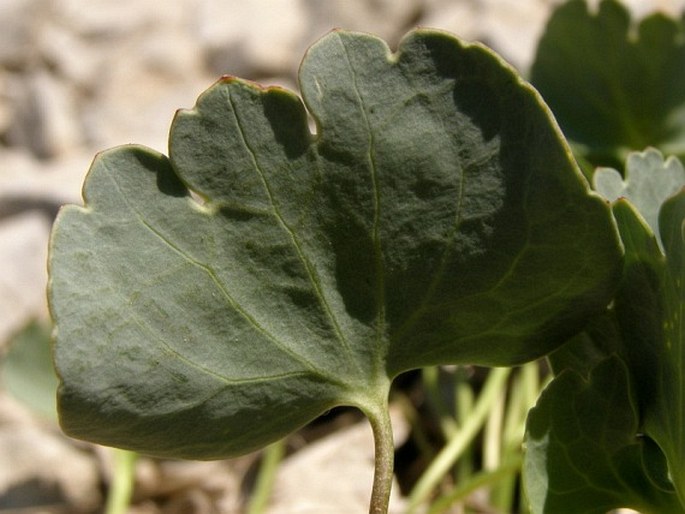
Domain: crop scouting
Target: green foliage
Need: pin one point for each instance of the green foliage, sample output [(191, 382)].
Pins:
[(614, 85), (583, 456), (26, 370), (437, 216), (608, 432), (211, 302), (650, 308)]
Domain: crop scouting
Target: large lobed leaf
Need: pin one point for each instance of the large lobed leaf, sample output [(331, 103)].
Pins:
[(614, 85), (436, 216)]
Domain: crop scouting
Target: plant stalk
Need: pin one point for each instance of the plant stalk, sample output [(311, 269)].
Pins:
[(121, 487), (493, 388), (379, 417), (272, 457)]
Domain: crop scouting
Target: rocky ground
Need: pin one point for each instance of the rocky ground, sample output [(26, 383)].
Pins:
[(79, 76)]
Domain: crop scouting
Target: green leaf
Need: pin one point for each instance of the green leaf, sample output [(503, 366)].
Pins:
[(600, 339), (641, 335), (26, 370), (436, 217), (650, 308), (649, 181), (583, 455), (614, 86)]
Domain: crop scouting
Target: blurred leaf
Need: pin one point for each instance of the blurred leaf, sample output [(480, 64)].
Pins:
[(650, 305), (27, 372), (628, 365), (613, 86)]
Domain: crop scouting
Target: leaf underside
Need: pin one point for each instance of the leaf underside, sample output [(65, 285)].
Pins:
[(435, 217)]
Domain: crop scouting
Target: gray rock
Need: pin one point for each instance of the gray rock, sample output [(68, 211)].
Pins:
[(23, 253), (252, 39), (6, 107), (17, 32), (45, 118), (388, 19), (75, 59), (30, 183), (510, 27), (106, 21)]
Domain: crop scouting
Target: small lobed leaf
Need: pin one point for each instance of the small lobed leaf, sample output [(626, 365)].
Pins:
[(650, 307), (656, 348), (436, 216), (649, 181)]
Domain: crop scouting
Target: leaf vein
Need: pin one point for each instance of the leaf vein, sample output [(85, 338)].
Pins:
[(231, 302), (308, 266), (377, 244)]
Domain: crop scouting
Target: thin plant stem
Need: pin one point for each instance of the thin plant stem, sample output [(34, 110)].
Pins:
[(496, 381), (464, 398), (478, 480), (431, 380), (492, 438), (123, 480), (517, 408), (272, 457), (379, 417)]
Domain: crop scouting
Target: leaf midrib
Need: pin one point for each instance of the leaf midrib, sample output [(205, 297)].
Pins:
[(378, 259), (294, 239)]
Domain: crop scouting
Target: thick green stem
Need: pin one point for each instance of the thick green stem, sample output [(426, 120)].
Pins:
[(379, 417)]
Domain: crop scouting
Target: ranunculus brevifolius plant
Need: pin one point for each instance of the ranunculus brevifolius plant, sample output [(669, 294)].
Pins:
[(210, 302)]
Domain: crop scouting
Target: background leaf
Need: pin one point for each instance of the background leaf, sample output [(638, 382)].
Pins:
[(315, 268), (26, 370), (600, 339), (614, 87), (650, 304), (650, 307), (642, 334), (582, 454)]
